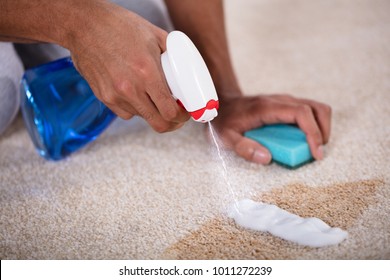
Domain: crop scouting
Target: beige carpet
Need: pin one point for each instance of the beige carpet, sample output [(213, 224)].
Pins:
[(135, 194)]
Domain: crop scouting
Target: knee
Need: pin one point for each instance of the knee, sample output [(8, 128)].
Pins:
[(9, 104), (11, 71)]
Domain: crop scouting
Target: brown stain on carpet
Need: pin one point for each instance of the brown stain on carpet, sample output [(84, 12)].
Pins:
[(339, 205)]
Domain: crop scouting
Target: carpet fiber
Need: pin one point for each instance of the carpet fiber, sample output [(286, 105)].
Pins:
[(136, 194)]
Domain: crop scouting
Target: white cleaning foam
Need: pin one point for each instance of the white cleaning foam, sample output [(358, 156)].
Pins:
[(270, 218)]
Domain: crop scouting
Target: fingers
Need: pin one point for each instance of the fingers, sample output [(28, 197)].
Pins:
[(314, 118), (148, 97), (154, 84), (252, 151), (165, 103), (306, 121), (300, 114), (245, 147), (142, 106), (123, 114), (147, 110), (238, 115), (161, 35), (322, 113), (157, 87)]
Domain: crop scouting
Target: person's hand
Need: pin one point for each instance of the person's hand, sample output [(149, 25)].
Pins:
[(239, 114), (118, 53)]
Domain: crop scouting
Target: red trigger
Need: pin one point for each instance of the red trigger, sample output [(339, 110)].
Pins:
[(212, 104)]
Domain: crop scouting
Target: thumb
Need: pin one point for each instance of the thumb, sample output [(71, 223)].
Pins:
[(162, 39), (252, 150)]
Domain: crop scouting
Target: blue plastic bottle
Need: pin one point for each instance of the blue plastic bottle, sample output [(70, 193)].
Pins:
[(60, 110)]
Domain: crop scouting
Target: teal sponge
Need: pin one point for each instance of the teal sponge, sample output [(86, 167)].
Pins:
[(286, 143)]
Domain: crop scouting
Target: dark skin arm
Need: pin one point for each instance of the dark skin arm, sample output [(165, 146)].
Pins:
[(203, 21)]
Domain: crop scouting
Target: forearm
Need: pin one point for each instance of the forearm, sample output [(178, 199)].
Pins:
[(203, 22), (51, 21)]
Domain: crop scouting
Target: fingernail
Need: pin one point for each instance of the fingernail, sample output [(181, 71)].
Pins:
[(262, 157), (320, 152)]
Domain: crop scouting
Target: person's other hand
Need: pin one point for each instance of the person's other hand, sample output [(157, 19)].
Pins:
[(239, 114), (118, 53)]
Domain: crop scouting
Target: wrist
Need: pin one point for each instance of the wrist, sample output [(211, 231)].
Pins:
[(228, 93), (78, 22), (224, 78)]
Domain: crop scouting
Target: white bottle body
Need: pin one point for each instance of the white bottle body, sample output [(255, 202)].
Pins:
[(188, 78)]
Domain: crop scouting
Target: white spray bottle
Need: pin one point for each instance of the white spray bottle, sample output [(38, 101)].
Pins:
[(188, 78)]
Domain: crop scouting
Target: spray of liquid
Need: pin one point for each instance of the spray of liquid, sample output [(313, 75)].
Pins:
[(265, 217), (224, 167)]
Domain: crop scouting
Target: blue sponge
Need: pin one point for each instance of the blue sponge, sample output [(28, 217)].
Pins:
[(286, 143)]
